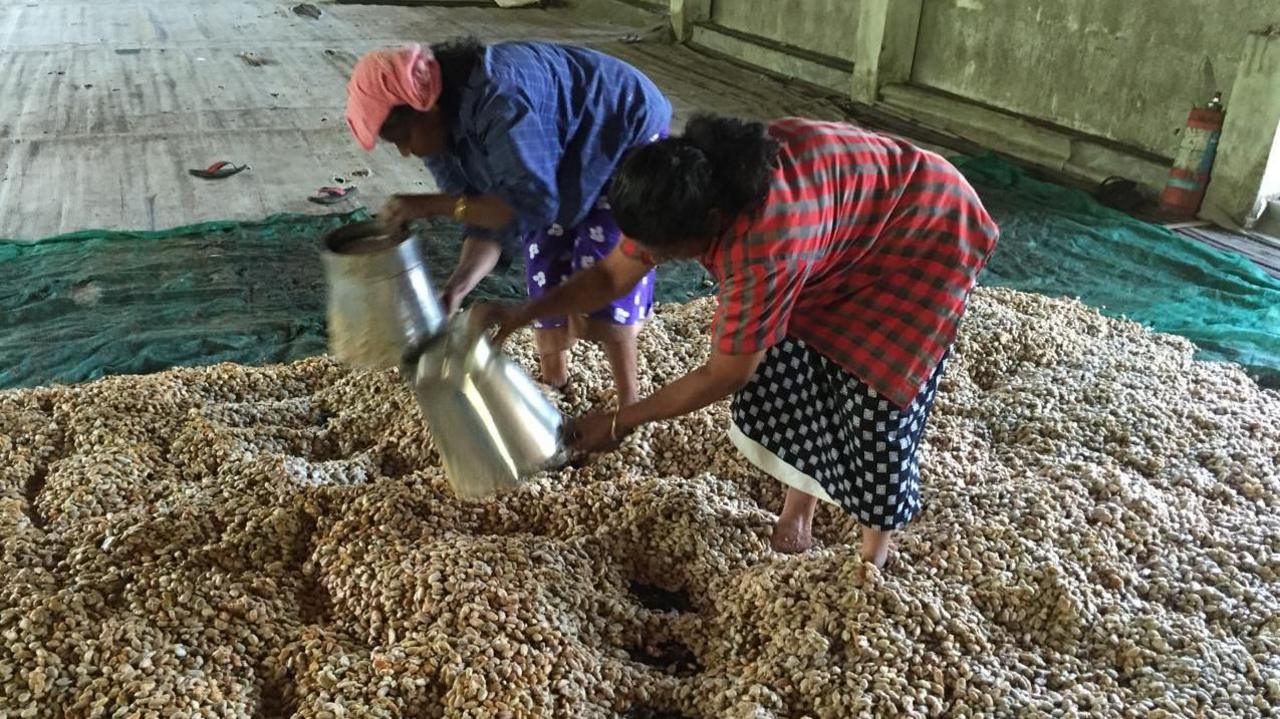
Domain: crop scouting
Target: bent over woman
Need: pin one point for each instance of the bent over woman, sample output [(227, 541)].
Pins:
[(522, 138), (845, 260)]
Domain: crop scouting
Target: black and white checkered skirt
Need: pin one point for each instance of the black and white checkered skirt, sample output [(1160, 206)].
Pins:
[(809, 423)]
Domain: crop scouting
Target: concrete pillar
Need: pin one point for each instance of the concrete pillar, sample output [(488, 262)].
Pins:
[(1238, 188), (684, 13), (886, 45)]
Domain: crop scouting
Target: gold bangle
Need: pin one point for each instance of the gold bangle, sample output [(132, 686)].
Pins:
[(460, 208)]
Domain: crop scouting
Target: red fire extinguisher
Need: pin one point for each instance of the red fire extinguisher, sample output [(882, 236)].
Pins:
[(1190, 174)]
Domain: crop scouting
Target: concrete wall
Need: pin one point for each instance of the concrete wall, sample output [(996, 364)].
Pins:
[(1124, 70), (826, 27), (1119, 75), (1270, 189), (1244, 173)]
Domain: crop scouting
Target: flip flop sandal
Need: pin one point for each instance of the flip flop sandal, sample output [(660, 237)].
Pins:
[(332, 195), (218, 171), (308, 10)]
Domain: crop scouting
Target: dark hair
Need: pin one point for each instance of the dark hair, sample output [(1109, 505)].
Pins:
[(664, 193), (458, 59)]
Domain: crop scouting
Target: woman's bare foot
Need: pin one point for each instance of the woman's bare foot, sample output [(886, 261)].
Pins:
[(568, 391), (791, 537), (876, 546), (553, 355), (794, 531), (619, 344)]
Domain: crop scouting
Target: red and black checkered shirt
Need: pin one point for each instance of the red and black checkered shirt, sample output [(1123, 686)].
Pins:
[(866, 249)]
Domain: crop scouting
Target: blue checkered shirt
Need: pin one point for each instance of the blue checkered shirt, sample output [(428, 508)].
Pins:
[(544, 126)]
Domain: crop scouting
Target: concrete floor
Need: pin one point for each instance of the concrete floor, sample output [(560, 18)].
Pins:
[(104, 106)]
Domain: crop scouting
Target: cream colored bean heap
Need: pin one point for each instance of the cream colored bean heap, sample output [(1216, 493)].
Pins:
[(1101, 536)]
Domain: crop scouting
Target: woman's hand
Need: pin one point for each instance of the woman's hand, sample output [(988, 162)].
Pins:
[(449, 300), (488, 212), (478, 258), (594, 432), (400, 210), (506, 318)]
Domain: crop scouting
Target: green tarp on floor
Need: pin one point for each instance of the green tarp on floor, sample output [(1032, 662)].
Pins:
[(1059, 241), (81, 306)]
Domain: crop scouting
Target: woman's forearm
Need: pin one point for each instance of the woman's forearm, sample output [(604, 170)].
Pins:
[(721, 376), (476, 261), (589, 290), (488, 212), (688, 394)]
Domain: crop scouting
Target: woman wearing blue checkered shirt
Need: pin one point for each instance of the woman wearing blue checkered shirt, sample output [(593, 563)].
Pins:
[(522, 139)]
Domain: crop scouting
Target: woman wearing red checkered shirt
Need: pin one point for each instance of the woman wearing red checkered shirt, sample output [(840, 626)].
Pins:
[(845, 260)]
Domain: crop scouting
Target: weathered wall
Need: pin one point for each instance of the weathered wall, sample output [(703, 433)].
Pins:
[(823, 26), (1243, 174), (1127, 71)]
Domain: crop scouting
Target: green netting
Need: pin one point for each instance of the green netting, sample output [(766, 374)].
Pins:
[(1060, 241), (89, 304), (84, 305)]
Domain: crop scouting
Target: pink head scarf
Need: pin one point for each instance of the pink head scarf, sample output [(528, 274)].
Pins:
[(385, 79)]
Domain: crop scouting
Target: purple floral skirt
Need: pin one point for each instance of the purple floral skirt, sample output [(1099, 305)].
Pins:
[(555, 254)]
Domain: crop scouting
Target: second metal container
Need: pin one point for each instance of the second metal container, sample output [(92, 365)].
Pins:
[(381, 301), (491, 424)]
